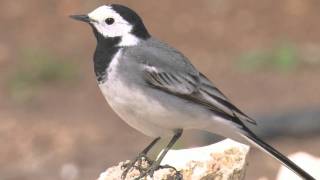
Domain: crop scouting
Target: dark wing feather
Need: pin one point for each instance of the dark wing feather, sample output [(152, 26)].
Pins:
[(194, 88), (208, 88)]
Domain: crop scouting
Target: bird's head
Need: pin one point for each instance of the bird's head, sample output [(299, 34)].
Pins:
[(115, 21)]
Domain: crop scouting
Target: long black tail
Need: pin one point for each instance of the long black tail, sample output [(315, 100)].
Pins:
[(276, 154)]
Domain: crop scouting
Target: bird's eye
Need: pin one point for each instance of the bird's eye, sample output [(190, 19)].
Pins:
[(109, 21)]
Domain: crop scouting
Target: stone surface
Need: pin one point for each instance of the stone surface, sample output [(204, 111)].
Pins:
[(225, 160)]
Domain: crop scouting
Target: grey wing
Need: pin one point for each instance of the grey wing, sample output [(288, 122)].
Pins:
[(192, 87), (166, 69), (219, 99)]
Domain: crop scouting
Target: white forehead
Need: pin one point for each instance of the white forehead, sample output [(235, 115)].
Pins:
[(103, 12)]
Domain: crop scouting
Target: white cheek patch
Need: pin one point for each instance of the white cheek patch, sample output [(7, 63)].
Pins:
[(120, 28), (102, 12), (128, 40)]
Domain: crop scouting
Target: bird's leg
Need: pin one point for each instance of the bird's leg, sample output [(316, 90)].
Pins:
[(177, 175), (156, 164), (139, 158)]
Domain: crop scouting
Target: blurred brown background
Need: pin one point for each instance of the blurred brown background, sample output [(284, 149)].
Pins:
[(55, 124)]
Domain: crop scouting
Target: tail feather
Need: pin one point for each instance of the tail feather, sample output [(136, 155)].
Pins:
[(276, 154)]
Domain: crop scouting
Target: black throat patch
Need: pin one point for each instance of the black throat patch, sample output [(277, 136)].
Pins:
[(105, 51)]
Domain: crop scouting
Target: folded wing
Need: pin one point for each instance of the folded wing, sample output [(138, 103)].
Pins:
[(195, 88)]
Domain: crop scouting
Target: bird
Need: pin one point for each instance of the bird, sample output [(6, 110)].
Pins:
[(155, 89)]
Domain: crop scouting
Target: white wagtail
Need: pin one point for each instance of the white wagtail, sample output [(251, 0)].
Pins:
[(156, 90)]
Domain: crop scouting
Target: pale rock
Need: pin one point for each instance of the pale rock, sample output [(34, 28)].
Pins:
[(225, 160)]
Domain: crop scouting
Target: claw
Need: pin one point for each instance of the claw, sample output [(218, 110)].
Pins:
[(136, 163), (177, 175), (149, 171), (155, 166)]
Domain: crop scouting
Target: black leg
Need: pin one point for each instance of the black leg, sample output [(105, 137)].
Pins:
[(141, 155), (148, 148), (156, 165)]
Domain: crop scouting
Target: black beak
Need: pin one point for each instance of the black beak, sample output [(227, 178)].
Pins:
[(83, 18)]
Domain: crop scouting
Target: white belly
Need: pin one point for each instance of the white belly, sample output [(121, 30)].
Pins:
[(136, 109)]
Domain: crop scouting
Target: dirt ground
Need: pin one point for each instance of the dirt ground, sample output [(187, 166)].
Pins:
[(64, 129)]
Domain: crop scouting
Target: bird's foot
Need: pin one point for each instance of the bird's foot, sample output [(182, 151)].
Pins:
[(138, 164), (177, 174), (155, 166)]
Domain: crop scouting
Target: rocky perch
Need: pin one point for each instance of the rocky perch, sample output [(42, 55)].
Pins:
[(225, 160)]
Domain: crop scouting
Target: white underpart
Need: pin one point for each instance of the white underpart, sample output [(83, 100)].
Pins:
[(131, 104), (120, 28)]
